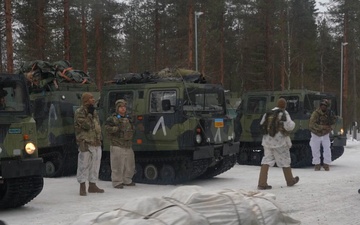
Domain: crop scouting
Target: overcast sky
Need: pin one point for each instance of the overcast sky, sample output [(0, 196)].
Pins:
[(321, 9)]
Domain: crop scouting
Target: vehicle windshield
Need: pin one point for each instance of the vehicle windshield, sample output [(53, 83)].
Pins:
[(204, 99), (12, 97), (312, 102)]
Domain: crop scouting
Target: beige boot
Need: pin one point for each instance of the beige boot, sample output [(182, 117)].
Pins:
[(326, 167), (83, 189), (94, 189), (290, 180), (317, 167), (262, 185)]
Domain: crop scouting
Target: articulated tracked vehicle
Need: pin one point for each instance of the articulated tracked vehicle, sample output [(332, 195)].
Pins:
[(182, 131), (55, 93), (21, 170), (300, 105)]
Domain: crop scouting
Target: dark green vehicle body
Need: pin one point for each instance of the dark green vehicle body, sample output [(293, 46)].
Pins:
[(53, 110), (300, 105), (168, 116), (21, 171)]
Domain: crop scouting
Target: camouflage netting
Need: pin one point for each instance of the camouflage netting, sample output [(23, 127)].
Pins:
[(42, 74), (164, 74)]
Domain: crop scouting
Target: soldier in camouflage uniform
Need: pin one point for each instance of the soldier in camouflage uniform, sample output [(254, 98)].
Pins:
[(88, 138), (320, 124), (120, 130), (276, 148)]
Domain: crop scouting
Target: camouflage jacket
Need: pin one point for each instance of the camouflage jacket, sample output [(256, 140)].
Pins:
[(120, 130), (320, 122), (87, 127)]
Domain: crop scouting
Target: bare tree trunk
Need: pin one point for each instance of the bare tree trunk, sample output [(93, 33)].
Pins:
[(268, 73), (40, 30), (191, 33), (84, 37), (203, 41), (9, 39), (66, 31), (98, 48)]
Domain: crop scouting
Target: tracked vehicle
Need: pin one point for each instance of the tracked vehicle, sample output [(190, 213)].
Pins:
[(300, 105), (21, 170), (182, 131), (55, 92)]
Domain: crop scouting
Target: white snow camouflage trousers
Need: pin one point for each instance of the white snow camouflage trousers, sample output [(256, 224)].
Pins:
[(279, 155), (89, 165), (315, 143)]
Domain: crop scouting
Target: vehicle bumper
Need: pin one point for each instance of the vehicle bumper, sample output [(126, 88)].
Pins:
[(339, 141), (231, 148), (22, 168), (208, 151)]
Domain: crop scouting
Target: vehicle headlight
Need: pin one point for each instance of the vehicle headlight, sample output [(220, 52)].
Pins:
[(198, 138), (341, 132), (30, 148)]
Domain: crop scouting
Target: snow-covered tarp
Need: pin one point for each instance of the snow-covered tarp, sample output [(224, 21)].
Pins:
[(189, 205)]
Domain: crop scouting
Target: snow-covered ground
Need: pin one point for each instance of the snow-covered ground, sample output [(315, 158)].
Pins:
[(321, 197)]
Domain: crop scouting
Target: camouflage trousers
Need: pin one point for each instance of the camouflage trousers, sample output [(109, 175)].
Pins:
[(280, 156), (89, 165), (122, 165)]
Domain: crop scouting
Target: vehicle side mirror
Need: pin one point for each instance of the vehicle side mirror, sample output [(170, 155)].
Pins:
[(166, 105)]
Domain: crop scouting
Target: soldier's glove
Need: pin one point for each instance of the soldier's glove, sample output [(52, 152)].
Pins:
[(91, 109)]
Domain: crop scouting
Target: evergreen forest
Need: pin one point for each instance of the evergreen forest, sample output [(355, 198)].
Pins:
[(242, 44)]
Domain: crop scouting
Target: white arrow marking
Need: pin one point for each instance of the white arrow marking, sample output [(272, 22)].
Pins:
[(217, 135), (162, 123)]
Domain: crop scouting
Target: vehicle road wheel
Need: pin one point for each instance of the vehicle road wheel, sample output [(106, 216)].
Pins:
[(49, 168), (167, 174), (151, 172)]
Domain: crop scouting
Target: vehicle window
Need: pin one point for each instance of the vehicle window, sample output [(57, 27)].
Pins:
[(12, 97), (114, 96), (200, 99), (292, 103), (256, 105), (156, 98)]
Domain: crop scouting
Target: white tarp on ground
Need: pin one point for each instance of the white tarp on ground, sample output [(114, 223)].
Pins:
[(192, 205)]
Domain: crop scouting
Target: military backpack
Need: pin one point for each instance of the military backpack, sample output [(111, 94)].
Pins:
[(273, 123)]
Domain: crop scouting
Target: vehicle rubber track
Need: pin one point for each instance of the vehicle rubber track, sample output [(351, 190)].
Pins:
[(105, 170), (226, 163), (301, 155), (183, 169), (250, 155), (54, 161), (16, 192)]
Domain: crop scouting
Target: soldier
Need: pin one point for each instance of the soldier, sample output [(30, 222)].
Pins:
[(88, 139), (121, 130), (276, 148), (320, 124)]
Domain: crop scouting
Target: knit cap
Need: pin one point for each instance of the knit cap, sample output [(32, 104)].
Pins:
[(281, 103), (120, 102), (86, 96)]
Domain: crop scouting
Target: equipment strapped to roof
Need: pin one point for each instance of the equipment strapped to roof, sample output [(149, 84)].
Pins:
[(166, 74)]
